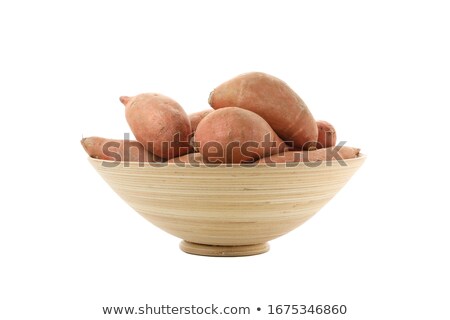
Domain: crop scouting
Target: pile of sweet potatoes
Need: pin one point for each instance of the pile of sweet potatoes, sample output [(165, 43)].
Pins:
[(254, 118)]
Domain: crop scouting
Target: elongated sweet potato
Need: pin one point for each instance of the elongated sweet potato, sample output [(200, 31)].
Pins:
[(324, 154), (273, 100), (327, 134), (235, 135), (159, 123), (117, 150)]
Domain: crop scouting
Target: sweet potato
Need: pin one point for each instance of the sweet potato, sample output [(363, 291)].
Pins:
[(191, 158), (325, 154), (273, 100), (196, 117), (235, 135), (159, 123), (327, 134), (117, 150)]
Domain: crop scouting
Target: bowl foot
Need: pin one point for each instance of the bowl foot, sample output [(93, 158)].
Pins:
[(223, 251)]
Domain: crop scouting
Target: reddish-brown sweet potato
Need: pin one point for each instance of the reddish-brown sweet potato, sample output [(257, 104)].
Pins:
[(324, 154), (327, 134), (159, 123), (196, 117), (192, 158), (273, 100), (117, 150), (235, 135)]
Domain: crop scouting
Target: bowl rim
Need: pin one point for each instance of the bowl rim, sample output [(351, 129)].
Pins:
[(361, 156)]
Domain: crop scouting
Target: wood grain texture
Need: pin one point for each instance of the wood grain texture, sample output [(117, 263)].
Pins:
[(223, 251), (227, 205)]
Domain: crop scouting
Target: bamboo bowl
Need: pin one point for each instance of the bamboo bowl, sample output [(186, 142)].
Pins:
[(227, 210)]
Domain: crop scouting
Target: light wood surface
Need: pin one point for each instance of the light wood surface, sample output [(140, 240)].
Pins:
[(227, 205), (223, 251)]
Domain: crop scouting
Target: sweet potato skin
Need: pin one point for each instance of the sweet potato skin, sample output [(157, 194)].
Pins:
[(117, 150), (327, 134), (159, 123), (272, 99), (196, 117), (191, 158), (235, 135), (324, 154)]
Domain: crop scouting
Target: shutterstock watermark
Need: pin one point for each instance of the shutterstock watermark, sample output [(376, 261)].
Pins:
[(267, 152)]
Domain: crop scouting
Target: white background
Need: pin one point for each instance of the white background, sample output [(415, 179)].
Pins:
[(379, 71)]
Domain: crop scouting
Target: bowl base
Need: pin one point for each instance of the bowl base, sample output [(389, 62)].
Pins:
[(223, 251)]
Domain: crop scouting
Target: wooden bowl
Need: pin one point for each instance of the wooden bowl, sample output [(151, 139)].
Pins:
[(227, 210)]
